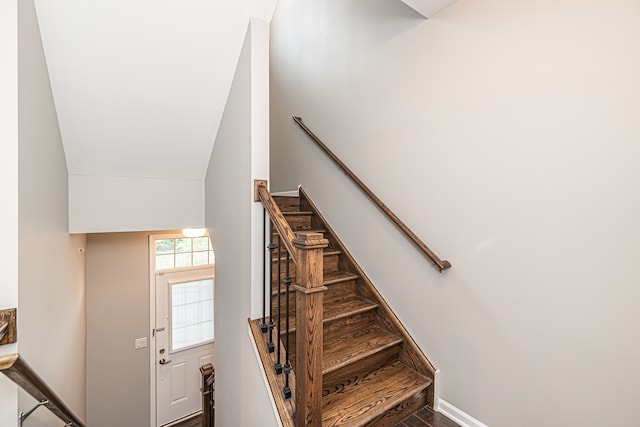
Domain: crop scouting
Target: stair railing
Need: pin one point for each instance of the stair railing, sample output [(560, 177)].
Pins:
[(305, 250), (208, 375), (439, 263), (18, 371)]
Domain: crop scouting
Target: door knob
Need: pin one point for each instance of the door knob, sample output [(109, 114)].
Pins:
[(164, 362)]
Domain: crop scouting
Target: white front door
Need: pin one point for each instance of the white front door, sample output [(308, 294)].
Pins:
[(184, 341)]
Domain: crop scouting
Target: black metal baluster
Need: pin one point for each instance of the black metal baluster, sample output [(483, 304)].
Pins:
[(263, 325), (278, 365), (286, 391), (270, 325)]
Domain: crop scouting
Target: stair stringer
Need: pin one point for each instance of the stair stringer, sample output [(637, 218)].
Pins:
[(410, 354)]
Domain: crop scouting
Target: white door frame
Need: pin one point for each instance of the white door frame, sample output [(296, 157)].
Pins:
[(152, 317)]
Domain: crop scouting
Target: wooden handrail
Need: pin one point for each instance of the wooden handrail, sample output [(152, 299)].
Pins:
[(261, 194), (439, 263), (17, 370)]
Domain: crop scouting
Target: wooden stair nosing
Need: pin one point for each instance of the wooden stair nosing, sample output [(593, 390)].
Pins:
[(306, 230), (335, 313), (385, 388), (327, 253), (338, 277), (352, 348), (297, 213)]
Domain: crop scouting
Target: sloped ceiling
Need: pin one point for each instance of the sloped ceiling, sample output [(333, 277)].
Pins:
[(140, 86), (428, 8)]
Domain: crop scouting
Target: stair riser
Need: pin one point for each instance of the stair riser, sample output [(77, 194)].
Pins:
[(329, 264), (299, 222), (334, 292), (288, 204), (338, 379), (349, 324)]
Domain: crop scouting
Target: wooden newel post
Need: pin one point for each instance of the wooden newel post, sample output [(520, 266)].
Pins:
[(309, 298), (208, 378)]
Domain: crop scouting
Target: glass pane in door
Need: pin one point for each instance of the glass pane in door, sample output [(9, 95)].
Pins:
[(191, 319)]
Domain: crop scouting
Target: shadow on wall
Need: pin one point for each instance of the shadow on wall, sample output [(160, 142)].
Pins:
[(353, 19), (401, 17)]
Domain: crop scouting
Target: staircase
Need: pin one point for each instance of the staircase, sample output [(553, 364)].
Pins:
[(372, 371)]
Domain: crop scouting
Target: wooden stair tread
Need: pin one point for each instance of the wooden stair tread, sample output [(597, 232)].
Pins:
[(338, 309), (349, 348), (371, 396), (337, 277), (347, 307)]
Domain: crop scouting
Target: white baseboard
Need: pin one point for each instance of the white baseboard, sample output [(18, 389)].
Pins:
[(457, 415), (292, 193)]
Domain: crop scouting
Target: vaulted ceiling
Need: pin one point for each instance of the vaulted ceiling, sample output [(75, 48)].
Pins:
[(140, 86)]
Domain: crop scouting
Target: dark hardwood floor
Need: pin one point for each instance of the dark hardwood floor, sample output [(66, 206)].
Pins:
[(425, 417), (191, 422)]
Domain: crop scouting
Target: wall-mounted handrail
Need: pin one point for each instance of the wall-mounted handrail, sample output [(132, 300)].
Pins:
[(439, 263), (17, 370), (261, 194)]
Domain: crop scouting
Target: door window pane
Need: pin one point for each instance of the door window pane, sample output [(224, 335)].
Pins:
[(183, 252), (200, 258), (191, 314), (165, 246), (183, 260), (164, 261), (200, 243), (183, 245)]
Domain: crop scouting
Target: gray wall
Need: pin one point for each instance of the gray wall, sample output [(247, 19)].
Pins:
[(241, 394), (52, 306), (118, 385), (505, 134)]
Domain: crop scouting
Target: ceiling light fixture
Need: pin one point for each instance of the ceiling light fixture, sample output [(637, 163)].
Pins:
[(194, 232)]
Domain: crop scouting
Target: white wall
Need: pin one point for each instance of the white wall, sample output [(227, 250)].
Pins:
[(505, 135), (52, 308), (241, 394), (100, 204), (9, 188)]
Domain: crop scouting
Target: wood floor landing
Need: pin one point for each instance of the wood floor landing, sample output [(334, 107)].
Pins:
[(191, 422), (427, 417)]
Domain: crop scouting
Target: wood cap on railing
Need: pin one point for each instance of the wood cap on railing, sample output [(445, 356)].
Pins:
[(310, 240), (17, 370), (439, 263), (261, 194)]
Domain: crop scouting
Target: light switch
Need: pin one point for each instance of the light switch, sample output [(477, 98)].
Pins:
[(141, 343)]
